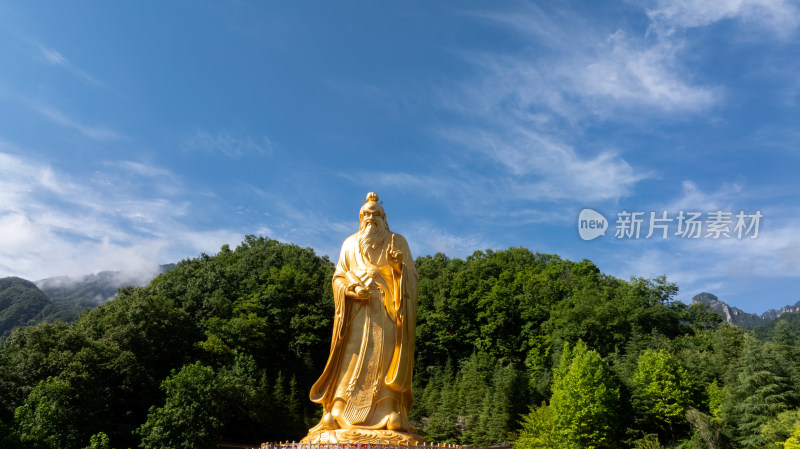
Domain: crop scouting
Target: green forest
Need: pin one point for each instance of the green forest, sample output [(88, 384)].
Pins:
[(512, 347)]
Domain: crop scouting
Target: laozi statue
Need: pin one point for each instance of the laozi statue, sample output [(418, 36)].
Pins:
[(365, 388)]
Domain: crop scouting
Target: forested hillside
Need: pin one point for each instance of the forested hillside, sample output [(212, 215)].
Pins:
[(21, 302), (512, 346)]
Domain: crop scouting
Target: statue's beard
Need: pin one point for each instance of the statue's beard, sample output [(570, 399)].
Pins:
[(371, 235)]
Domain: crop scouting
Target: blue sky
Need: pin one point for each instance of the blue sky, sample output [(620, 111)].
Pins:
[(139, 133)]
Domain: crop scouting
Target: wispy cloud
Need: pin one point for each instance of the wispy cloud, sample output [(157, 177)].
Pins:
[(500, 200), (54, 57), (694, 199), (778, 17), (310, 227), (162, 181), (226, 142), (98, 133), (575, 70), (631, 73), (143, 169), (543, 169), (527, 108), (523, 169), (427, 238), (470, 193)]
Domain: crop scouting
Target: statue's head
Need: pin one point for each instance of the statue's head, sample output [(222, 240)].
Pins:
[(372, 211), (373, 230)]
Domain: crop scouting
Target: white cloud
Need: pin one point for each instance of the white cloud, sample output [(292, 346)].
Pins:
[(544, 169), (53, 56), (576, 70), (53, 225), (227, 142), (528, 108), (143, 169), (780, 17), (631, 73), (693, 198)]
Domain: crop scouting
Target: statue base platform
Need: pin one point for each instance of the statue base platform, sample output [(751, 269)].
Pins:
[(362, 436)]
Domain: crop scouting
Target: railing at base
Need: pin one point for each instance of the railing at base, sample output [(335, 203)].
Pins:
[(395, 445)]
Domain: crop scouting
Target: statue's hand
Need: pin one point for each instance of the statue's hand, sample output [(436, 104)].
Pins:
[(395, 256), (357, 291), (362, 293)]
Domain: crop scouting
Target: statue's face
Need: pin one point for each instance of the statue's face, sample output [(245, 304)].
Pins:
[(371, 213), (372, 230)]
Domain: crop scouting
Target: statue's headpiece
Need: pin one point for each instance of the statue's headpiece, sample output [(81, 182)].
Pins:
[(372, 196), (372, 202)]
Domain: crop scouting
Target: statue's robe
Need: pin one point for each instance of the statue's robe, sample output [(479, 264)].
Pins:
[(368, 374)]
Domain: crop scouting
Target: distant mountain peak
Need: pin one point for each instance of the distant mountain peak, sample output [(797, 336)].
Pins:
[(735, 315), (10, 281)]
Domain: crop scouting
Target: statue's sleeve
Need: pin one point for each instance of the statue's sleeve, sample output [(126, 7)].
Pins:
[(340, 283), (402, 366), (322, 390)]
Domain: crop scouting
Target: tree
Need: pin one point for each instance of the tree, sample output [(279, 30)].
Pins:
[(760, 388), (585, 400), (500, 412), (236, 340), (192, 417), (474, 392), (538, 430), (716, 397), (47, 419), (443, 422), (780, 428), (650, 441), (99, 441), (793, 442), (660, 392)]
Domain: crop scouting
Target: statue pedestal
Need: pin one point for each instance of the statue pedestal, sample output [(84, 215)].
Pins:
[(362, 436)]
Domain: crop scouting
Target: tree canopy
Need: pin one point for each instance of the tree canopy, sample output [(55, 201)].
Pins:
[(512, 346)]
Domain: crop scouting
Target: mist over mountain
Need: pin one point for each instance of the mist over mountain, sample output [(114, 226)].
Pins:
[(735, 315), (95, 288), (62, 298)]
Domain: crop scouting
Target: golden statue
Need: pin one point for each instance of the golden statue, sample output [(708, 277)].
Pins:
[(365, 389)]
